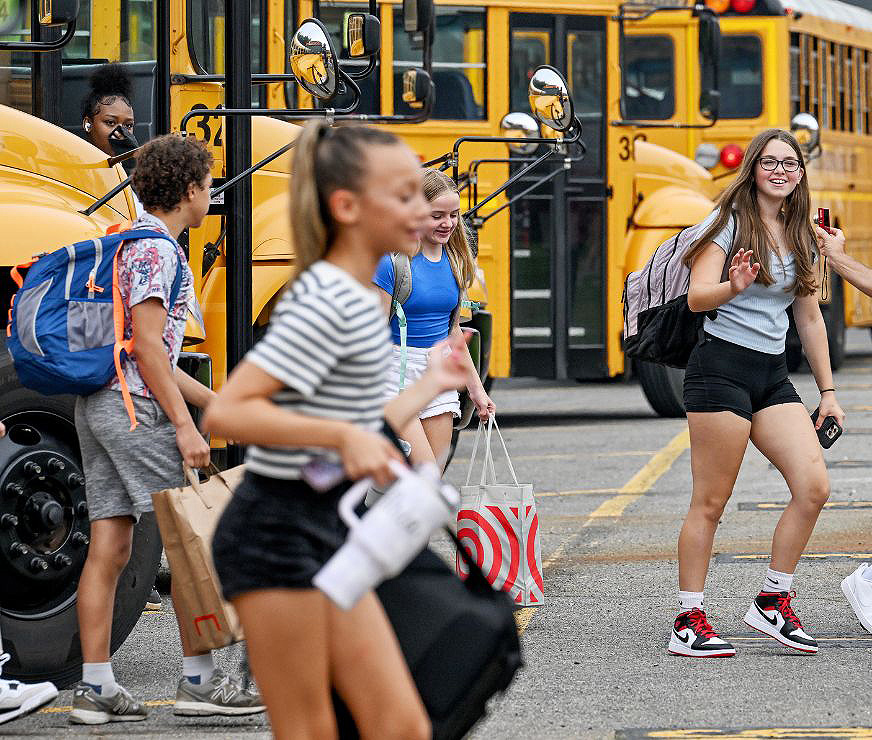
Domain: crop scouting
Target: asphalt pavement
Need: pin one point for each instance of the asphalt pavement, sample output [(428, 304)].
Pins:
[(613, 484)]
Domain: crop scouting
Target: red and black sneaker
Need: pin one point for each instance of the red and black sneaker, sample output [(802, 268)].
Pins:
[(772, 615), (693, 636)]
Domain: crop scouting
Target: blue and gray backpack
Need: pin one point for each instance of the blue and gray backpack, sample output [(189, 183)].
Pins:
[(66, 322)]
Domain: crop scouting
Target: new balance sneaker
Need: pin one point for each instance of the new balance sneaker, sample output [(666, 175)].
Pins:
[(219, 695), (90, 708), (18, 699), (693, 636), (772, 615), (858, 590)]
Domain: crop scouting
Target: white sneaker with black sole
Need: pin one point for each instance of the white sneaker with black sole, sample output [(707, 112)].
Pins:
[(858, 591), (18, 699), (693, 637), (771, 614)]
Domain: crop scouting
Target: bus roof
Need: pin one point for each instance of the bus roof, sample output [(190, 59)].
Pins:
[(831, 10)]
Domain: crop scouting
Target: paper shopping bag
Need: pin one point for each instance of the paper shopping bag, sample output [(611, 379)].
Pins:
[(499, 526), (187, 518)]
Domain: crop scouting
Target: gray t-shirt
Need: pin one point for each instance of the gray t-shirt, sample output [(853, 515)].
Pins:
[(757, 317)]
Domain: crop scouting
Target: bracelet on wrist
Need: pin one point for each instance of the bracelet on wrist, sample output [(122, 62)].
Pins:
[(828, 390)]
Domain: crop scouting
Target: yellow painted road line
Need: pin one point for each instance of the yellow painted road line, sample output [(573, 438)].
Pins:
[(640, 483), (634, 489), (148, 703), (580, 492)]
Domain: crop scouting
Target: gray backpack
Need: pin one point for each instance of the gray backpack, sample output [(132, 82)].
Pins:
[(658, 324)]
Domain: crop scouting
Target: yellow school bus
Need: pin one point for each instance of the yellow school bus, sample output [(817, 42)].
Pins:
[(56, 189), (780, 60)]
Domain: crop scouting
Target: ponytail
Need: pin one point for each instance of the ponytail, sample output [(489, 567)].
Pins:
[(326, 159)]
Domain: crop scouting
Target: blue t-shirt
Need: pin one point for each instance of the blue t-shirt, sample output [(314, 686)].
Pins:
[(434, 297)]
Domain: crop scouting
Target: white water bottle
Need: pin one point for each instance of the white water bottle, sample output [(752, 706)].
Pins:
[(395, 529)]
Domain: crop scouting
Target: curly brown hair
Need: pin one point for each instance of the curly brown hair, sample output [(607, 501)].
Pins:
[(166, 166)]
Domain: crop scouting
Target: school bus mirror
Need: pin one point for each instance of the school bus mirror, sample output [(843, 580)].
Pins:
[(417, 15), (518, 125), (58, 12), (710, 104), (550, 100), (807, 130), (709, 64), (417, 88), (313, 60), (362, 35)]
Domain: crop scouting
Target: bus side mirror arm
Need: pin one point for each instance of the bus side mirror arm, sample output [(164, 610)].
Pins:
[(41, 46)]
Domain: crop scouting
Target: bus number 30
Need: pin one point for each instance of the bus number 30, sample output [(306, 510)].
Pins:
[(628, 146), (203, 125)]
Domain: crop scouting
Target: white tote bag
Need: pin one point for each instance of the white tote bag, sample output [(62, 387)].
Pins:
[(499, 526)]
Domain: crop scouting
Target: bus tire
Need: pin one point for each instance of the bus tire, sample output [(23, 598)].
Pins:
[(38, 621), (834, 318), (663, 388)]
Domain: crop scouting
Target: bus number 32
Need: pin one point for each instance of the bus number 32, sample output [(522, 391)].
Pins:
[(203, 125)]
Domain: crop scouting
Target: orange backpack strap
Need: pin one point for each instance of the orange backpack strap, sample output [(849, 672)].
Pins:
[(15, 274), (120, 342)]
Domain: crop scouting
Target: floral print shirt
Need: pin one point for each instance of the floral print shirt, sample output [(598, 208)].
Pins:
[(147, 269)]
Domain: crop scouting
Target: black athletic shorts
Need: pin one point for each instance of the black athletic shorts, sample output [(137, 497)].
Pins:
[(276, 534), (722, 376)]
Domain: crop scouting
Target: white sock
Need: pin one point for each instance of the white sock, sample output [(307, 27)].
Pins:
[(776, 581), (690, 600), (100, 677), (867, 574), (198, 668)]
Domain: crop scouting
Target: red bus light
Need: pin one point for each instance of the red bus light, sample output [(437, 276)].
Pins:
[(731, 156), (743, 6)]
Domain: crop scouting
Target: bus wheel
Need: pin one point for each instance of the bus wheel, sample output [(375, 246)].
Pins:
[(44, 536), (834, 318), (455, 435), (663, 387)]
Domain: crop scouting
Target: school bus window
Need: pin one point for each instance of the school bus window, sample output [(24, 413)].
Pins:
[(795, 75), (333, 16), (741, 76), (530, 49), (206, 33), (816, 82), (458, 64), (15, 78), (834, 96), (80, 45), (649, 77)]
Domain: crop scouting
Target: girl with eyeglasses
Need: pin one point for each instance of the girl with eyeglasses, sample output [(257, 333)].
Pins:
[(755, 259)]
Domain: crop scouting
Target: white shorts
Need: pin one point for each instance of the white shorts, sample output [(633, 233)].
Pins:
[(416, 364)]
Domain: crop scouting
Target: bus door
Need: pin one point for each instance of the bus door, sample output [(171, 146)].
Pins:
[(558, 232)]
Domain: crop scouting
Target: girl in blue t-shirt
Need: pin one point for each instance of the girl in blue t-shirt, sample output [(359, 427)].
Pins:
[(442, 271)]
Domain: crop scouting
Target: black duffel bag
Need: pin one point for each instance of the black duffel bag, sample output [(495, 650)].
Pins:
[(459, 639)]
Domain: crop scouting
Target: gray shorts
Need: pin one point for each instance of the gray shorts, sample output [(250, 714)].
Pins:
[(123, 468)]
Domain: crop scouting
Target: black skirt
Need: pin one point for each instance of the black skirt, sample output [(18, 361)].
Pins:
[(276, 534)]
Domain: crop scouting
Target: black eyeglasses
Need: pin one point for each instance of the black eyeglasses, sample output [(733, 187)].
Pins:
[(770, 163)]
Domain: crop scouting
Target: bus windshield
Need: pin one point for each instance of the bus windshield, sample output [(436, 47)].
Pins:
[(741, 75), (649, 77)]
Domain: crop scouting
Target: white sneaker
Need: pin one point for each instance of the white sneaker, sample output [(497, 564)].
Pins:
[(18, 699), (858, 591)]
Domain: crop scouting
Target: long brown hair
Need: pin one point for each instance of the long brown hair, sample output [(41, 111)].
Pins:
[(740, 199), (326, 159), (458, 248)]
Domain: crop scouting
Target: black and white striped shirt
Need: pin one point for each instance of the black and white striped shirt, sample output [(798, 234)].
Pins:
[(328, 343)]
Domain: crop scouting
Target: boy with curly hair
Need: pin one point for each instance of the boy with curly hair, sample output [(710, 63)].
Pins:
[(123, 467)]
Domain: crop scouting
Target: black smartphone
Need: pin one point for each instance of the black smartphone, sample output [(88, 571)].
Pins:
[(830, 430)]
